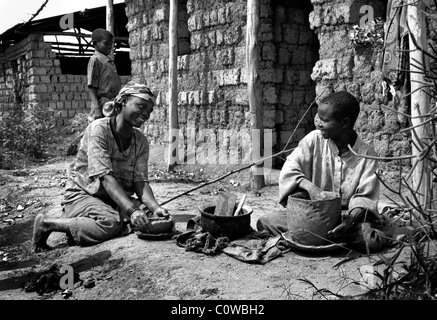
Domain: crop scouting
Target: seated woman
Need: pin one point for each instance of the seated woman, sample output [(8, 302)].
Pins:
[(110, 167)]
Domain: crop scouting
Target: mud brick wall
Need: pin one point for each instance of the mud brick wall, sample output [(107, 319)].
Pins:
[(31, 78), (294, 51), (212, 85), (211, 60), (343, 66)]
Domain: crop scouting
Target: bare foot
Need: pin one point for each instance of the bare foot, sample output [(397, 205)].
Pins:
[(40, 234)]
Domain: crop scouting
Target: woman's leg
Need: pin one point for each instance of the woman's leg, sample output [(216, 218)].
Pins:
[(92, 221), (42, 228), (88, 220), (276, 223)]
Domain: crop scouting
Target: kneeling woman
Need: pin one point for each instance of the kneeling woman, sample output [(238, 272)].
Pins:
[(110, 167)]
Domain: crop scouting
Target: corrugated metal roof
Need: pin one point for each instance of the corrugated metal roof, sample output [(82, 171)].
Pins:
[(88, 19)]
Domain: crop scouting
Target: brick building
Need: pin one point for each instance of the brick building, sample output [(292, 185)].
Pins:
[(305, 52), (212, 88), (36, 73)]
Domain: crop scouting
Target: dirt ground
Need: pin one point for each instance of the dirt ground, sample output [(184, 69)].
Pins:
[(131, 268)]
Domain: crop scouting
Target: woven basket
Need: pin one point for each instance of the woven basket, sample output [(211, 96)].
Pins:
[(309, 221)]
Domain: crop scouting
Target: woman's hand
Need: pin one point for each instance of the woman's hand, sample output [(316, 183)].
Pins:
[(315, 192), (349, 219), (342, 228), (139, 219), (161, 212)]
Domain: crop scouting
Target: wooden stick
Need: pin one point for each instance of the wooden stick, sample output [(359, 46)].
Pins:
[(240, 205), (173, 122), (419, 100), (224, 176), (110, 22), (254, 91)]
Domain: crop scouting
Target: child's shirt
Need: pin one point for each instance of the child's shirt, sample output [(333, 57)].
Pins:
[(102, 75)]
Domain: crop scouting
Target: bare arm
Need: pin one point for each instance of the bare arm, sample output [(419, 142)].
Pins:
[(116, 192), (145, 194), (348, 220), (365, 199), (296, 168), (315, 192)]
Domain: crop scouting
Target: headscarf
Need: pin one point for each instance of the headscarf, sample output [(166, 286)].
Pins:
[(131, 89)]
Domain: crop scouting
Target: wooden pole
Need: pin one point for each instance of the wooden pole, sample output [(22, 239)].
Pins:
[(173, 155), (254, 91), (420, 103), (110, 21)]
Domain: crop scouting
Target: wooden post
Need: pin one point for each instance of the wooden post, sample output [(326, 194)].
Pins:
[(254, 91), (110, 22), (420, 103), (173, 155)]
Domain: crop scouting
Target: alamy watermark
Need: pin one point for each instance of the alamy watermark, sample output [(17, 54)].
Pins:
[(67, 280), (222, 147), (368, 17), (67, 21)]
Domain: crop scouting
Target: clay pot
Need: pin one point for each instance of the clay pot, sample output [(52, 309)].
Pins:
[(159, 225), (232, 227)]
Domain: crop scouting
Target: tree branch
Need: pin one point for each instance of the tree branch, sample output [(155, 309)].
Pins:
[(380, 158), (35, 14)]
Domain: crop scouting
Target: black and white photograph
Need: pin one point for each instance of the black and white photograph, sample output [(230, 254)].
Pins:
[(218, 158)]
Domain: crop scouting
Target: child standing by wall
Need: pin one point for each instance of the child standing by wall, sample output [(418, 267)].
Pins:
[(102, 78)]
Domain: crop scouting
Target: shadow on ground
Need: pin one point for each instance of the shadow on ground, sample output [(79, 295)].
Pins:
[(16, 234), (81, 265)]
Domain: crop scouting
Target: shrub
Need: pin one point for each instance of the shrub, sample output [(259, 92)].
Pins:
[(23, 133), (78, 123)]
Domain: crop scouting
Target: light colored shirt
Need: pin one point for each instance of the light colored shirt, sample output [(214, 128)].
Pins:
[(349, 176), (102, 75), (99, 155)]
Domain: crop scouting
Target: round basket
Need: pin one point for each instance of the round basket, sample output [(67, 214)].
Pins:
[(309, 221), (232, 227)]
